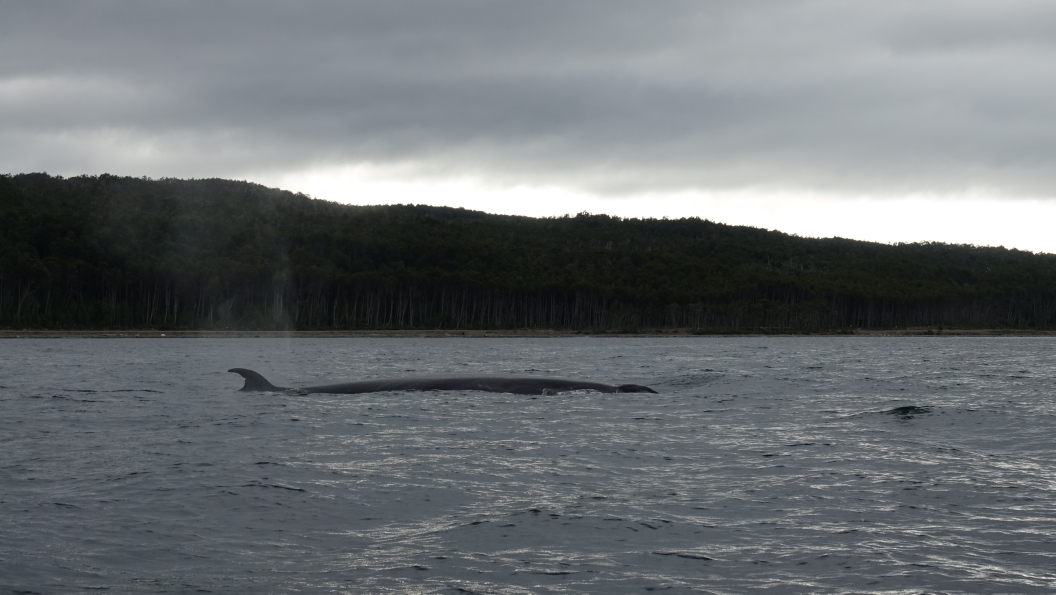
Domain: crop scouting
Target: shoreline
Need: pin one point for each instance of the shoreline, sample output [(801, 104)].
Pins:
[(514, 333)]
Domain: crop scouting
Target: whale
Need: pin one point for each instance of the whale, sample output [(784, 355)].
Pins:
[(518, 385)]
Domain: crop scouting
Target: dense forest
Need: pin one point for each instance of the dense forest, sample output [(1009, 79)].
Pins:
[(112, 252)]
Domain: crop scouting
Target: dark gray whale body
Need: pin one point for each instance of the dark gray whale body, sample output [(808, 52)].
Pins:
[(520, 385)]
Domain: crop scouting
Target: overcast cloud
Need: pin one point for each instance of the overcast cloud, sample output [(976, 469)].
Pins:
[(610, 97)]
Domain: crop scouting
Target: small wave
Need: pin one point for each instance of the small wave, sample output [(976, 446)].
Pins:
[(691, 380), (273, 485), (909, 411), (687, 555)]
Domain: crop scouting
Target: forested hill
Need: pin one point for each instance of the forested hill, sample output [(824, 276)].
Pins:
[(110, 252)]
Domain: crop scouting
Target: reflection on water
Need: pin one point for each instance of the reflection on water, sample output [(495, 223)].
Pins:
[(781, 464)]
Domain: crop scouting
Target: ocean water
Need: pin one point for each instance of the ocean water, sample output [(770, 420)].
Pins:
[(771, 465)]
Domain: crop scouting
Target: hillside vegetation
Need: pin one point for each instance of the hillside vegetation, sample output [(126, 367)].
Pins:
[(110, 252)]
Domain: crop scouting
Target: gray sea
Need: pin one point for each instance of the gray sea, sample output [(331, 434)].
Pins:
[(783, 465)]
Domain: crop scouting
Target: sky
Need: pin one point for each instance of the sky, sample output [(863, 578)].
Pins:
[(894, 121)]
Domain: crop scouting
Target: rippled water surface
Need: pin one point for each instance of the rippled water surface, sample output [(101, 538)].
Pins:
[(778, 465)]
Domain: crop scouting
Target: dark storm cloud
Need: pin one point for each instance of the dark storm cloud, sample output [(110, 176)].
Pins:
[(882, 97)]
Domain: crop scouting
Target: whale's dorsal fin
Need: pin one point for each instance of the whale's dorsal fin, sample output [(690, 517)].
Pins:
[(634, 388), (255, 382)]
